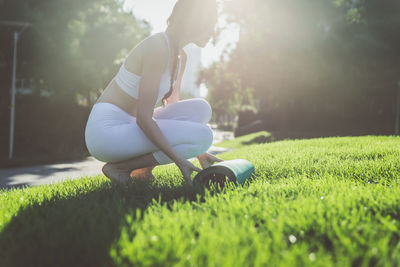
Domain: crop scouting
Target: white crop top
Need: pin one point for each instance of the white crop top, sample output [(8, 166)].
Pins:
[(129, 82)]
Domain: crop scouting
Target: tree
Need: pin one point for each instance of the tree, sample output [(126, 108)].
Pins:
[(74, 46), (72, 51), (314, 64)]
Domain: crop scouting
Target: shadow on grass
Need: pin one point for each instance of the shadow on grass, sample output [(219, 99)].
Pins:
[(259, 140), (79, 230)]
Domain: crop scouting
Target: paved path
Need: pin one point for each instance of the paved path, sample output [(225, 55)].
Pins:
[(53, 173)]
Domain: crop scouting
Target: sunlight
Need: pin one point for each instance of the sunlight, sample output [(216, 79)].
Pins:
[(227, 41), (156, 13)]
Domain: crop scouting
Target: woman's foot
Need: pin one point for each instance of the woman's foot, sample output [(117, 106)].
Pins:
[(207, 159), (115, 174), (143, 174), (204, 163)]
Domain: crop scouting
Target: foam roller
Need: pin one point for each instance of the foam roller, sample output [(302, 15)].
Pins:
[(236, 171)]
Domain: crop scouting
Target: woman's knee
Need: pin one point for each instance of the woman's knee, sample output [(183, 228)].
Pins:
[(206, 136), (204, 110), (200, 135), (201, 146), (192, 144)]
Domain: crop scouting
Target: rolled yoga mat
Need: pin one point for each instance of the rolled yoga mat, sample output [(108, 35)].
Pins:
[(236, 171)]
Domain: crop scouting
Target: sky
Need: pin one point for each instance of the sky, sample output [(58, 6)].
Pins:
[(157, 11)]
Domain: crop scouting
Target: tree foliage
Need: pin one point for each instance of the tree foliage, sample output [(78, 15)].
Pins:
[(313, 64), (71, 52), (74, 47)]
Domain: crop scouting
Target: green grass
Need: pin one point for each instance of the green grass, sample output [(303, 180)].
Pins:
[(316, 202)]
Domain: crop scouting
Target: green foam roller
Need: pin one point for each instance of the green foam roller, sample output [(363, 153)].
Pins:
[(236, 171)]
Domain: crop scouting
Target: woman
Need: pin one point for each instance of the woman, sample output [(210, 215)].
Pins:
[(121, 130)]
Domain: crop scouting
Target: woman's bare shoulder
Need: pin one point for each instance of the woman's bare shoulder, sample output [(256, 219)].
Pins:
[(153, 42), (152, 46)]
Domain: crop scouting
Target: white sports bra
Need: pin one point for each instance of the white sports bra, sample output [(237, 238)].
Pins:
[(129, 82)]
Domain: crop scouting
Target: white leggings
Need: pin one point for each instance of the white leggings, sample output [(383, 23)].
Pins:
[(112, 135)]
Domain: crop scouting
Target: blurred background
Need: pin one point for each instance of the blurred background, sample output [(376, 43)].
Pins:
[(297, 69)]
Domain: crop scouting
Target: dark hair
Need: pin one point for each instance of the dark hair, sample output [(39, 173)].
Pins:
[(174, 64), (182, 10)]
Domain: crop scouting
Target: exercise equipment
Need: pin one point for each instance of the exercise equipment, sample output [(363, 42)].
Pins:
[(236, 171)]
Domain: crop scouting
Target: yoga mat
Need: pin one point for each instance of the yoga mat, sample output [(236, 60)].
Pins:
[(236, 171)]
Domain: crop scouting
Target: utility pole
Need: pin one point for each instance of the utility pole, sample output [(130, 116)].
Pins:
[(397, 109), (24, 25)]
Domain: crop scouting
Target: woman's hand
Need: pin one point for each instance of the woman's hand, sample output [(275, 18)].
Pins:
[(207, 159), (187, 168)]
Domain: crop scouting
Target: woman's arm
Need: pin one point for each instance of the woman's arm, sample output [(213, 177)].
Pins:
[(174, 97), (154, 63)]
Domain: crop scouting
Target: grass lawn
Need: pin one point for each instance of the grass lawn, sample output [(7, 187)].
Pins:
[(316, 202)]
